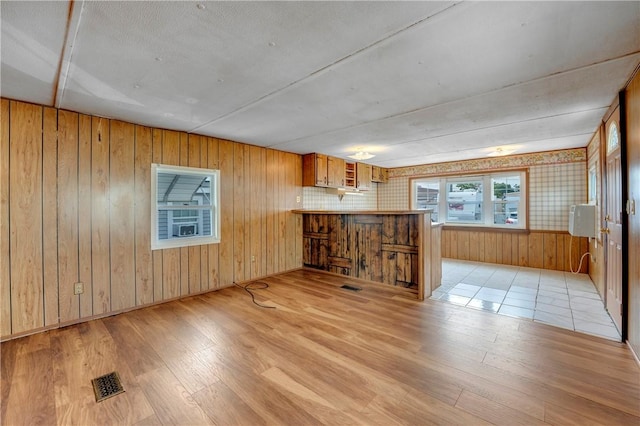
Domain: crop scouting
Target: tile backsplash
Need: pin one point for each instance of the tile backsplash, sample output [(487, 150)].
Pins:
[(318, 199), (553, 188)]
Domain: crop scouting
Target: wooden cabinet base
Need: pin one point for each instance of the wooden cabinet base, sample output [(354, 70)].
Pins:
[(389, 248)]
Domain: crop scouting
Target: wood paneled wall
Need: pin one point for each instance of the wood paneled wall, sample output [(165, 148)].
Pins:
[(548, 250), (632, 121), (75, 207)]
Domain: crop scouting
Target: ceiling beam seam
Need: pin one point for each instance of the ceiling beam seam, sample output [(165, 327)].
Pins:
[(73, 25), (322, 69), (497, 126), (413, 111), (397, 158)]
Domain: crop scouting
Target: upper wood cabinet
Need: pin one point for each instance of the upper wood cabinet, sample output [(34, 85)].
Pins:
[(322, 170), (363, 176), (349, 174), (314, 170), (378, 174), (335, 172)]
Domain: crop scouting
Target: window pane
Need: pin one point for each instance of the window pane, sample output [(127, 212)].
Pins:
[(186, 189), (184, 223), (464, 201), (427, 197), (505, 196), (187, 202)]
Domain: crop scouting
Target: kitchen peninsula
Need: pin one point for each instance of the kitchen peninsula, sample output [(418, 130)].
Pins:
[(400, 248)]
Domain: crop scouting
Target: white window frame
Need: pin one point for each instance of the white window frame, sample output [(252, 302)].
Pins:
[(487, 199), (214, 208)]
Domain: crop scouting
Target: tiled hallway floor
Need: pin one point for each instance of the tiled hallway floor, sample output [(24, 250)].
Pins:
[(558, 298)]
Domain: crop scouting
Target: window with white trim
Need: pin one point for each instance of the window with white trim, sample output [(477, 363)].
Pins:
[(185, 208), (487, 200)]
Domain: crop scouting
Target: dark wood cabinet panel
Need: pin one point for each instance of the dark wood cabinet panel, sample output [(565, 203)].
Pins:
[(393, 249)]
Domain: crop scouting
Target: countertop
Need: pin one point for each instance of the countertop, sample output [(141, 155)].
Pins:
[(374, 212)]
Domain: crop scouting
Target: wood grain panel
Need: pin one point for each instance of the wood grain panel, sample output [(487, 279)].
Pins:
[(171, 259), (271, 247), (142, 212), (452, 249), (213, 275), (549, 254), (100, 216), (548, 249), (262, 212), (255, 209), (298, 196), (5, 265), (96, 179), (239, 202), (157, 136), (184, 251), (282, 218), (122, 217), (523, 250), (226, 213), (84, 215), (25, 198), (562, 252), (204, 249), (195, 252), (247, 211), (291, 224), (464, 245), (68, 214), (474, 250), (50, 219)]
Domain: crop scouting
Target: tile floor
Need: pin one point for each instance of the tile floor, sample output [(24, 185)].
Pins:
[(558, 298)]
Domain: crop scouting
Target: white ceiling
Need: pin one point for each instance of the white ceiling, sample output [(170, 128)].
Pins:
[(412, 82)]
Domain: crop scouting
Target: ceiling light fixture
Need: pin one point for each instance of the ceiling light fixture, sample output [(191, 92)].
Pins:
[(500, 152), (361, 155)]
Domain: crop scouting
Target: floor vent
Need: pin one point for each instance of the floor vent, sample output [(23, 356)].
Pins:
[(351, 287), (107, 386)]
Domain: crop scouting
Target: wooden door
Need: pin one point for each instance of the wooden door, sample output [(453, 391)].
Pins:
[(613, 220)]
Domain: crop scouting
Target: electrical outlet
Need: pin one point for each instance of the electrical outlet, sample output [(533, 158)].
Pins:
[(297, 198), (78, 288), (253, 258)]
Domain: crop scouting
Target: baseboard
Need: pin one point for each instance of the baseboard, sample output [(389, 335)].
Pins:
[(635, 355)]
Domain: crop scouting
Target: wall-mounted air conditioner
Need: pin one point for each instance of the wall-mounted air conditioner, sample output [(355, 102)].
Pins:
[(582, 220), (185, 230)]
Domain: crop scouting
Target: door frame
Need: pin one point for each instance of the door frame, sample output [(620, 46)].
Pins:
[(620, 103), (625, 215)]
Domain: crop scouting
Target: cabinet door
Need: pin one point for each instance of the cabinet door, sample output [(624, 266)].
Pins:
[(375, 174), (314, 170), (321, 170), (378, 174), (363, 176), (335, 175)]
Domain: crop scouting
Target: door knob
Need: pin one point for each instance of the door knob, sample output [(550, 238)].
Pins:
[(604, 230)]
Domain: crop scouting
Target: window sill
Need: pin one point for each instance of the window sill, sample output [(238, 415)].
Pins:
[(449, 227)]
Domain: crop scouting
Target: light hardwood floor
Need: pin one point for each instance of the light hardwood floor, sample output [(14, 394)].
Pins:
[(324, 356)]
